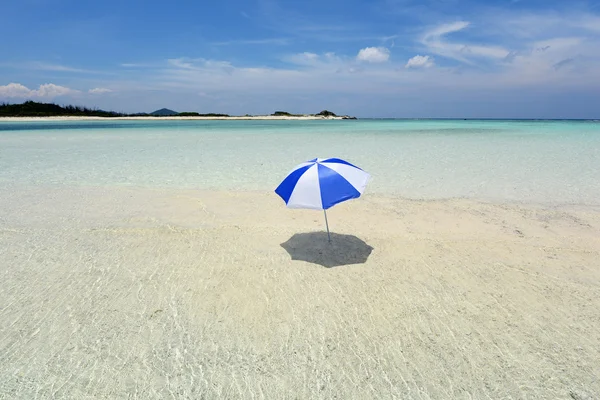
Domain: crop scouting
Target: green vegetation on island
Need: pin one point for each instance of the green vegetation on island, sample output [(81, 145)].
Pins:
[(285, 114), (326, 113), (195, 114), (35, 109)]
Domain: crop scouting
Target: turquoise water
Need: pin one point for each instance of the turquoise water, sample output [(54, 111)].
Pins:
[(532, 161)]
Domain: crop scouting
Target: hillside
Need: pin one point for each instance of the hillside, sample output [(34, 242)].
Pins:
[(164, 112)]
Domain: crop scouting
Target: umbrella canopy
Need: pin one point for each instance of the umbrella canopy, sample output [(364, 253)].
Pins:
[(322, 183)]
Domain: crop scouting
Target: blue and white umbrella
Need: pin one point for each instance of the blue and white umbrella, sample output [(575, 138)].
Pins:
[(320, 184)]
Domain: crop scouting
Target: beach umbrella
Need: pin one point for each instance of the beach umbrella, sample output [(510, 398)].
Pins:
[(319, 184)]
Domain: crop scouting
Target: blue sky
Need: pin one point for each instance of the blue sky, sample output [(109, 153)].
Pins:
[(378, 58)]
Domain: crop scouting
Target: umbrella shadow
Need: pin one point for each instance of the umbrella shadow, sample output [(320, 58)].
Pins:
[(313, 247)]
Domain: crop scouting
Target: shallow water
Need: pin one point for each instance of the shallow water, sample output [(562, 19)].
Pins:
[(530, 161), (121, 291)]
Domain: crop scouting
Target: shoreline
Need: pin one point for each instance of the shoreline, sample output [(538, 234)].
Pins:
[(144, 118), (241, 191)]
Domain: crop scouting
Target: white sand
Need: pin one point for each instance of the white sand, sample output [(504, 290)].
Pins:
[(148, 118), (152, 294)]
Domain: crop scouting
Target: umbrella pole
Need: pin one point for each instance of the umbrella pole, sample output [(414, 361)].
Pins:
[(327, 225)]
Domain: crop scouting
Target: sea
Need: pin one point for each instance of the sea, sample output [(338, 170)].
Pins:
[(531, 161)]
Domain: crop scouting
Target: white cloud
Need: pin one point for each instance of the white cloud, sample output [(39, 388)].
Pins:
[(445, 29), (343, 76), (14, 90), (373, 54), (313, 59), (41, 66), (48, 90), (590, 22), (44, 66), (99, 91), (181, 63), (52, 90), (548, 23), (435, 42), (310, 56), (199, 64), (420, 62), (305, 58)]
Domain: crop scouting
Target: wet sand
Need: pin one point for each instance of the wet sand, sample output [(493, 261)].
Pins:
[(139, 293)]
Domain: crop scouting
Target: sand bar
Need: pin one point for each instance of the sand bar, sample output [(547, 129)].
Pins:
[(149, 118), (138, 293)]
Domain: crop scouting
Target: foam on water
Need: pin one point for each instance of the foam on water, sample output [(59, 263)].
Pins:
[(532, 161)]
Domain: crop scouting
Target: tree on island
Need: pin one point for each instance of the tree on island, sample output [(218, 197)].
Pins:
[(196, 114), (326, 113), (285, 114), (34, 109)]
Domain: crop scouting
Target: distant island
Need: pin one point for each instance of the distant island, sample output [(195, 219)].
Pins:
[(31, 109), (164, 112)]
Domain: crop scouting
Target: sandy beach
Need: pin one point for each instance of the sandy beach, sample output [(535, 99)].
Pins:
[(152, 293), (175, 118)]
